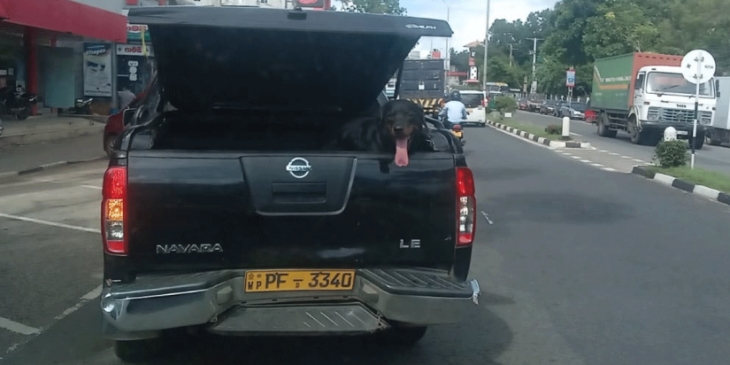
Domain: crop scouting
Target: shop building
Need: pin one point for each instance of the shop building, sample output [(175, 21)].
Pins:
[(135, 60), (42, 45)]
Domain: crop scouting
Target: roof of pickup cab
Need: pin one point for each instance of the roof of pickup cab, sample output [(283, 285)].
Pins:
[(280, 19)]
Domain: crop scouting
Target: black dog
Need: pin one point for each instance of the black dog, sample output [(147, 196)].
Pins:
[(401, 130)]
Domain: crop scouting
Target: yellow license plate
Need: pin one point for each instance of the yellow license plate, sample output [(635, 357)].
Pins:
[(298, 280), (457, 134)]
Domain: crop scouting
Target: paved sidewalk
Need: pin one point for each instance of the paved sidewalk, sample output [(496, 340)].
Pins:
[(22, 157), (48, 128)]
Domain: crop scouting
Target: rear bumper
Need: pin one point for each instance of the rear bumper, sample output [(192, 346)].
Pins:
[(217, 301)]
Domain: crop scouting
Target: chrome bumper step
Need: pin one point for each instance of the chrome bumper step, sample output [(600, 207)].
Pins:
[(284, 319)]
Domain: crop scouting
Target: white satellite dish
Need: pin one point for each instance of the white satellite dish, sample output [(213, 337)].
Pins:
[(698, 66)]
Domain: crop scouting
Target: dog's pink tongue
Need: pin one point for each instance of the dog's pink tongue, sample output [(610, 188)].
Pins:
[(401, 152)]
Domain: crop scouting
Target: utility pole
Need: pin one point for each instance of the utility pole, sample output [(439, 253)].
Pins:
[(448, 50), (533, 87), (510, 55), (486, 49)]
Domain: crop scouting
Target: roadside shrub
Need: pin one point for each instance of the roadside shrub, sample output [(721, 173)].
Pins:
[(671, 153), (505, 104), (488, 110), (554, 129)]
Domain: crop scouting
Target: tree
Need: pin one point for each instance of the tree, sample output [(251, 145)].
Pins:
[(374, 6), (619, 27)]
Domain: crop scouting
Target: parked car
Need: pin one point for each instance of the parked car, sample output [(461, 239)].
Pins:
[(547, 107), (573, 110), (223, 213), (522, 104)]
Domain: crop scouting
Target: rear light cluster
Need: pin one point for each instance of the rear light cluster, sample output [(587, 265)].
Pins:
[(466, 206), (114, 210)]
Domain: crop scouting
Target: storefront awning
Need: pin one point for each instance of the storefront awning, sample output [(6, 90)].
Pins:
[(66, 16)]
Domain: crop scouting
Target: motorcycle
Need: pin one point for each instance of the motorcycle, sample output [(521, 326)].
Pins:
[(458, 133), (81, 107), (16, 102)]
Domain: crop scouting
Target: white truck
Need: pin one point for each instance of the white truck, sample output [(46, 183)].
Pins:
[(644, 93), (719, 131)]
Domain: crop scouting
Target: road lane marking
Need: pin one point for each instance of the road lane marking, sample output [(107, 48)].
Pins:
[(487, 218), (93, 294), (596, 165), (586, 161), (16, 327), (575, 157), (576, 134), (48, 223), (91, 187), (608, 169)]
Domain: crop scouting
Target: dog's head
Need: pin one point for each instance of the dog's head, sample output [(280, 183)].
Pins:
[(402, 119)]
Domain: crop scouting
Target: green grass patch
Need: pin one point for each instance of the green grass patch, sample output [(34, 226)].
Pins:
[(530, 128), (711, 179)]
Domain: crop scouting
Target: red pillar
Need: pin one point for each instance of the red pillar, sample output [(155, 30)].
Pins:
[(31, 62)]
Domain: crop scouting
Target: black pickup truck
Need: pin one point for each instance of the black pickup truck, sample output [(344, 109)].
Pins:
[(223, 212)]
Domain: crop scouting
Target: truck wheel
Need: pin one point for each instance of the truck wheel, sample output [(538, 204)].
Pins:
[(637, 137), (137, 351), (700, 142), (402, 336), (603, 130)]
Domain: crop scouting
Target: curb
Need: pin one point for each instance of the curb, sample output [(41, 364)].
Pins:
[(540, 140), (688, 187), (12, 174)]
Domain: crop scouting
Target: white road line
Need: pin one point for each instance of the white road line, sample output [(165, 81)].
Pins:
[(85, 298), (626, 157), (576, 134), (586, 161), (92, 294), (487, 218), (608, 169), (596, 165), (603, 151), (637, 160), (91, 187), (575, 157), (613, 154), (48, 223), (16, 327)]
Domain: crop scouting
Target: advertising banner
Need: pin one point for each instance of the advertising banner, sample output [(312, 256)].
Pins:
[(98, 69)]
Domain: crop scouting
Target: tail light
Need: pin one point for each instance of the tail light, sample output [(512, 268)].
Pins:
[(484, 102), (457, 127), (114, 210), (466, 205)]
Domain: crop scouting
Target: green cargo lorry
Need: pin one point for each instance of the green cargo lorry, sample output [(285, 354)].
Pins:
[(644, 93)]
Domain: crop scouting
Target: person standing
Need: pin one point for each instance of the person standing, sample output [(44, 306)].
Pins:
[(125, 97)]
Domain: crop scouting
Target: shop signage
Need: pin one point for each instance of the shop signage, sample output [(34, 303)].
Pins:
[(133, 50), (313, 4), (134, 32)]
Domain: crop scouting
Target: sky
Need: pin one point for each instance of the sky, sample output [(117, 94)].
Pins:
[(468, 17)]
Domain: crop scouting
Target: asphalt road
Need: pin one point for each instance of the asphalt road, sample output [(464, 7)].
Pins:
[(579, 266), (716, 158), (22, 157)]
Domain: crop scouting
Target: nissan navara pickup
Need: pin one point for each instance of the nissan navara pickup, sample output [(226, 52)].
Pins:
[(222, 212)]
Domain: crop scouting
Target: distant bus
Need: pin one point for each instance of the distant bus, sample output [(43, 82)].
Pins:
[(499, 87)]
